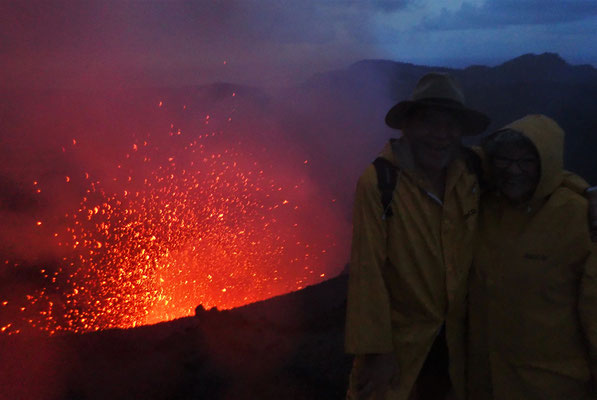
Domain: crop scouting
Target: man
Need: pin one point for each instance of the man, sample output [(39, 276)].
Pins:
[(407, 283)]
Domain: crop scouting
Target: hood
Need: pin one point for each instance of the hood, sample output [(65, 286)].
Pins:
[(548, 138)]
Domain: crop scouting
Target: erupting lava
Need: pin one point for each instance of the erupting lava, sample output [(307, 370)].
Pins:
[(212, 224)]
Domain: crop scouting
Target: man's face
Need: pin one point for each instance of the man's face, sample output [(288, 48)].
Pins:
[(516, 169), (434, 135)]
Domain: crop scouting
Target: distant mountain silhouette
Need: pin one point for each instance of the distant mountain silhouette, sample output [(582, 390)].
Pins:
[(360, 95), (547, 67)]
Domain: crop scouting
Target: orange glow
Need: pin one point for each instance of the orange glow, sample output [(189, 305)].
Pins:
[(205, 226)]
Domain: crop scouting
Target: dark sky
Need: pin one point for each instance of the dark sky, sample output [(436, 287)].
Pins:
[(273, 42)]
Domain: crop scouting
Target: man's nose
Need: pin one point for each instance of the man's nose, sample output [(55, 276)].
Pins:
[(443, 133), (514, 168)]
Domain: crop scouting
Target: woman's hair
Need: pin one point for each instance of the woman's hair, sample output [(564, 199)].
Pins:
[(506, 137)]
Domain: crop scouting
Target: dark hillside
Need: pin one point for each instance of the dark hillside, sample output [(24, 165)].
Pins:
[(287, 347)]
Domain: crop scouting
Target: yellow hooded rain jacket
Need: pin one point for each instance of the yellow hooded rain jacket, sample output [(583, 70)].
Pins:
[(533, 291), (408, 273)]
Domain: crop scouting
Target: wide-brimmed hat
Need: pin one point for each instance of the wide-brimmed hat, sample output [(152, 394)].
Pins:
[(439, 90)]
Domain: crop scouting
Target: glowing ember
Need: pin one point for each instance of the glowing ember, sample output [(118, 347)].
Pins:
[(203, 225)]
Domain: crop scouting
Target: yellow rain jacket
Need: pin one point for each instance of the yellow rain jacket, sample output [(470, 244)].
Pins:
[(533, 290), (408, 273)]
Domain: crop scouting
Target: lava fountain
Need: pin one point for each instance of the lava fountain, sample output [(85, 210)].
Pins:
[(217, 221)]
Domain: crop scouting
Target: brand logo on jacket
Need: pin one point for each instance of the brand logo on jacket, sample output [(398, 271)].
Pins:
[(470, 213), (537, 257)]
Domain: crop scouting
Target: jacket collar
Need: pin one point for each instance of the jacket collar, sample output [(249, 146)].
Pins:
[(399, 153)]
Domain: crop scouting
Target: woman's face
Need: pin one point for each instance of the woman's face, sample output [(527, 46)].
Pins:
[(516, 170)]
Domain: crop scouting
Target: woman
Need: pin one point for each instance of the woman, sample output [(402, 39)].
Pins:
[(533, 288)]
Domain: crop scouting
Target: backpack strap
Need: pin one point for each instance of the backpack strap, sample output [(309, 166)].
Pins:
[(388, 176), (387, 179)]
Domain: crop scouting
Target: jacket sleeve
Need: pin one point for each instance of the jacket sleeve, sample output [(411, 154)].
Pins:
[(588, 308), (574, 182), (368, 326)]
